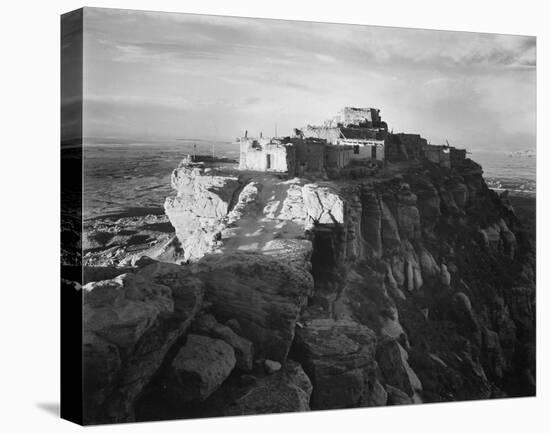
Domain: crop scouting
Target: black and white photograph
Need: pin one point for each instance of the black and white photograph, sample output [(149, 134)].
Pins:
[(281, 216), (275, 216)]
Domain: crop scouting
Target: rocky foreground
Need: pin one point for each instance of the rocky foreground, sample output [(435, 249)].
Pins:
[(289, 295)]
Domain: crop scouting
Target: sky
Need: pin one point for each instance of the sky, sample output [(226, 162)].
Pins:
[(161, 76)]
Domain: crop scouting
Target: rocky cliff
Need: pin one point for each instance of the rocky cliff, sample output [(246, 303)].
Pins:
[(290, 295)]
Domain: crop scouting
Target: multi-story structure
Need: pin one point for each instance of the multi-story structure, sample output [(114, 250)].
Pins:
[(353, 136), (361, 128)]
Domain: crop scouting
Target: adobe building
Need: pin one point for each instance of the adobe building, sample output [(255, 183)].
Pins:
[(329, 132), (309, 154), (338, 156), (365, 117), (361, 128), (366, 150), (296, 156), (353, 136), (440, 155), (266, 154), (457, 155), (403, 146), (444, 156)]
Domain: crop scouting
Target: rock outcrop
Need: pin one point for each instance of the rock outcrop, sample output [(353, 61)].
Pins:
[(294, 294), (339, 357), (215, 211), (203, 199), (393, 361), (288, 390), (429, 261), (244, 349), (160, 327), (200, 367), (263, 294), (130, 324)]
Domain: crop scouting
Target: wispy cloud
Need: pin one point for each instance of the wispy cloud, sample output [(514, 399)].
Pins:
[(325, 58), (224, 74)]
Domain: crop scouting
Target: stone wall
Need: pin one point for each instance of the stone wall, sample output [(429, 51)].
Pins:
[(331, 134), (360, 133), (363, 150), (338, 156), (403, 147), (265, 154), (440, 155), (457, 156), (356, 116), (310, 155)]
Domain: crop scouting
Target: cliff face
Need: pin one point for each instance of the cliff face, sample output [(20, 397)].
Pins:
[(413, 287), (434, 262), (431, 260)]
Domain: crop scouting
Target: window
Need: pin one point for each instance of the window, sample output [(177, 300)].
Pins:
[(356, 150)]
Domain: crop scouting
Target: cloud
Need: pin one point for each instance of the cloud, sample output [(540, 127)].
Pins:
[(223, 75), (325, 58), (134, 100)]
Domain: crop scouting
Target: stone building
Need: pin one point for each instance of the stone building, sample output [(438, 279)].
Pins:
[(457, 155), (367, 150), (338, 156), (329, 132), (440, 155), (296, 156), (403, 146), (361, 128), (444, 156), (354, 135), (266, 154), (366, 117)]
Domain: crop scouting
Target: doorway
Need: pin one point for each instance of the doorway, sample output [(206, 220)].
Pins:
[(268, 163)]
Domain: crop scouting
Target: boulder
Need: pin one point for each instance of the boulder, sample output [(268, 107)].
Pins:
[(508, 239), (200, 367), (410, 276), (376, 394), (393, 362), (428, 264), (463, 312), (398, 269), (206, 324), (396, 397), (322, 204), (202, 200), (183, 283), (264, 293), (338, 356), (122, 309), (293, 208), (288, 390), (130, 323), (271, 366), (394, 290), (445, 276), (490, 237)]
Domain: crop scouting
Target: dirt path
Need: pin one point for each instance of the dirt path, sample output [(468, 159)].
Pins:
[(264, 230)]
